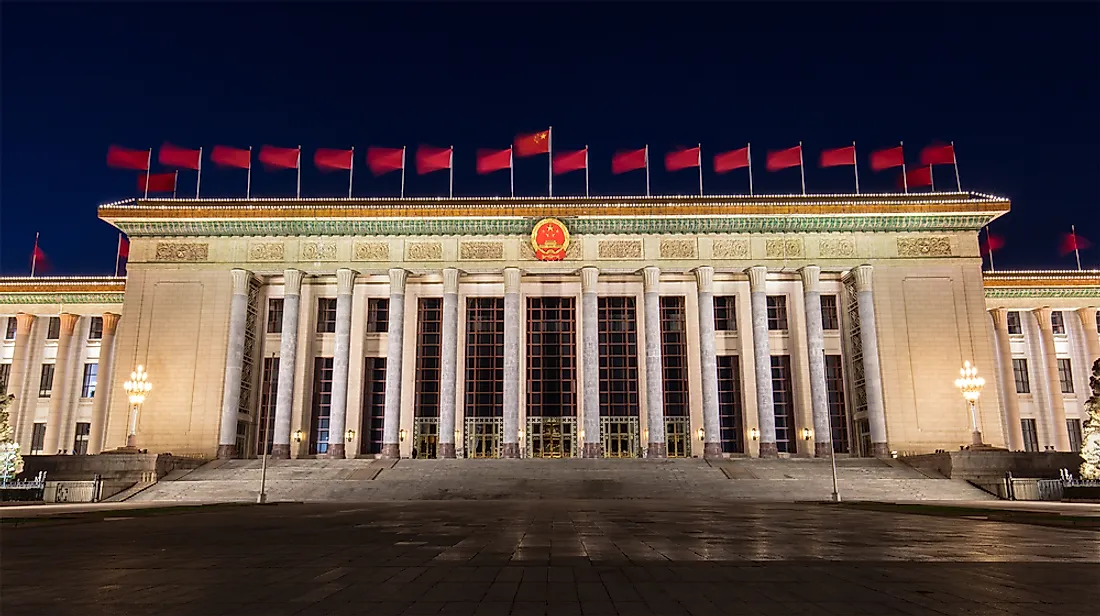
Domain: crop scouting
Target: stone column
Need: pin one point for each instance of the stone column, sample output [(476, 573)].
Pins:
[(872, 371), (288, 356), (395, 341), (590, 354), (510, 443), (234, 362), (762, 356), (345, 282), (1057, 417), (448, 380), (708, 363), (98, 429), (654, 373), (815, 345), (61, 378), (21, 363), (1007, 377), (1092, 338)]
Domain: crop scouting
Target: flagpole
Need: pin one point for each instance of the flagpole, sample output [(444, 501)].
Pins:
[(175, 183), (955, 160), (855, 165), (647, 169), (403, 171), (118, 253), (586, 170), (931, 180), (148, 171), (34, 255), (700, 170), (351, 171), (452, 169), (904, 177), (299, 172), (802, 168), (198, 179), (989, 244), (248, 184), (512, 171), (550, 156), (1072, 230), (748, 152)]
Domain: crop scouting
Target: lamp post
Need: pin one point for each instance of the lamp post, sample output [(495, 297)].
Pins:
[(137, 387), (970, 384)]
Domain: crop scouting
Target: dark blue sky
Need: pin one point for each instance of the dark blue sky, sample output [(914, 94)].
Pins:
[(1015, 85)]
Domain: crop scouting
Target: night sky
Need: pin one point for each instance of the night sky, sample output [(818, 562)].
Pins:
[(1016, 86)]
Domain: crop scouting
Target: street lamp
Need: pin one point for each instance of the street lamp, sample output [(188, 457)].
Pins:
[(970, 384), (137, 387)]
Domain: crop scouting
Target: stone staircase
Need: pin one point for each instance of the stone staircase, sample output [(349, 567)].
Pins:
[(536, 479)]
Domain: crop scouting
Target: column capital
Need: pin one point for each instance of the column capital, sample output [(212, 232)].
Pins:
[(862, 277), (512, 277), (241, 279), (651, 278), (450, 280), (23, 323), (110, 322), (1088, 319), (1000, 318), (589, 277), (345, 281), (758, 278), (1042, 315), (292, 282), (68, 323), (811, 278), (704, 278), (397, 281)]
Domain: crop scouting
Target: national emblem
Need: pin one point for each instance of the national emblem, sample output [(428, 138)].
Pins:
[(550, 240)]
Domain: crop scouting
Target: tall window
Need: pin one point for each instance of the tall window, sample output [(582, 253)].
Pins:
[(322, 405), (12, 327), (674, 355), (730, 409), (95, 328), (618, 357), (275, 315), (1031, 435), (5, 376), (80, 439), (1057, 323), (87, 389), (38, 438), (374, 405), (1065, 375), (830, 318), (45, 384), (725, 313), (1074, 428), (378, 312), (53, 328), (551, 357), (485, 357), (1019, 371), (782, 395), (838, 410), (326, 315), (269, 386), (777, 312), (429, 353), (1015, 327)]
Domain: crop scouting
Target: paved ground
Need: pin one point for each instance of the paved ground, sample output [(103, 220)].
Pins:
[(547, 557)]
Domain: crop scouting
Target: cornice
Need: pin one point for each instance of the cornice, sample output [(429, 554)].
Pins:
[(62, 289)]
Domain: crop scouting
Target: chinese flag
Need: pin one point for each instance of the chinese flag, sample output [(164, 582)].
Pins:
[(938, 154), (123, 158), (430, 159), (384, 160), (175, 156), (921, 176), (38, 257), (331, 160), (533, 144), (1072, 242), (682, 159), (839, 157), (280, 158), (489, 161), (123, 248), (225, 156), (158, 182), (888, 158), (564, 162), (783, 159), (728, 161), (992, 243), (628, 160)]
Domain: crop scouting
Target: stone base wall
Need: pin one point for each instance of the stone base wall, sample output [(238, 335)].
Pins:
[(989, 467), (120, 467)]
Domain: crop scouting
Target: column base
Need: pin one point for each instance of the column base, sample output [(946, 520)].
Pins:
[(131, 440), (591, 450), (336, 451), (509, 450), (391, 451), (447, 450), (712, 450), (657, 450), (280, 452), (976, 439), (226, 452), (769, 450), (880, 450), (822, 450)]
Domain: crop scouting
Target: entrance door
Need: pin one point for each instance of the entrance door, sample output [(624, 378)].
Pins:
[(551, 377), (426, 438), (551, 437), (483, 437), (620, 437), (676, 436)]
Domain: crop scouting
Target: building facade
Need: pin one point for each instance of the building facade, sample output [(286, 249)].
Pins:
[(555, 327)]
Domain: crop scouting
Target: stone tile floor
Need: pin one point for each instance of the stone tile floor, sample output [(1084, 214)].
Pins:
[(626, 558)]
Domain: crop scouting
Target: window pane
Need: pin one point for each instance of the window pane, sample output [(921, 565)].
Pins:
[(275, 315), (378, 310), (326, 315), (1019, 371), (838, 410), (1031, 436), (777, 312), (53, 329), (1065, 376), (1074, 428), (95, 328), (484, 357), (45, 384), (674, 356), (1015, 328), (830, 318), (730, 409), (783, 398), (87, 390), (12, 326), (1057, 323), (322, 405), (725, 313)]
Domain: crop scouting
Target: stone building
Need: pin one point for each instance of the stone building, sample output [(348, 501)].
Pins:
[(552, 327)]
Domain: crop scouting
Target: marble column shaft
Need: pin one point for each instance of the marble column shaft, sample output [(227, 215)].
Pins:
[(1057, 416), (510, 441), (1092, 338), (288, 355), (341, 359), (762, 360), (1007, 378), (395, 339), (61, 386), (234, 364), (590, 355), (872, 369), (21, 362), (815, 347), (708, 363), (448, 380), (98, 430), (654, 372)]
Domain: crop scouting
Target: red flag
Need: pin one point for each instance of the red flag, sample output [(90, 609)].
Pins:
[(123, 248), (938, 154), (628, 160), (384, 160), (225, 156), (888, 158), (39, 262), (839, 157), (728, 161), (533, 144), (280, 158), (123, 158), (574, 160), (430, 159), (158, 182), (921, 176), (489, 161), (992, 243), (783, 159), (1072, 242), (175, 156), (329, 160), (682, 159)]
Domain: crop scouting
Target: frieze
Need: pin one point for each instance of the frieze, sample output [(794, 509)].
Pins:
[(423, 251), (61, 298), (266, 251), (936, 246), (784, 248), (181, 251), (731, 249), (679, 249), (318, 251), (370, 251), (837, 247), (481, 251), (620, 249)]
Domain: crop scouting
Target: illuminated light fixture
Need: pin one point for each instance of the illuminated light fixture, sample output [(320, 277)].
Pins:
[(754, 434), (403, 434), (298, 436), (136, 388), (349, 436), (701, 433), (971, 385), (807, 434)]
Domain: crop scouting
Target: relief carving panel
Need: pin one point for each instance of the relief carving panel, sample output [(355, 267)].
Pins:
[(620, 249), (731, 249), (318, 251), (786, 248), (679, 249), (371, 251), (182, 251), (936, 246), (481, 251), (837, 247), (423, 251), (266, 251)]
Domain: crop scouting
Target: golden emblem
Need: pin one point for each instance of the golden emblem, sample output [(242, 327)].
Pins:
[(550, 240)]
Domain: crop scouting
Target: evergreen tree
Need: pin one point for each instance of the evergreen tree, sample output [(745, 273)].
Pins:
[(1090, 451), (11, 463)]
